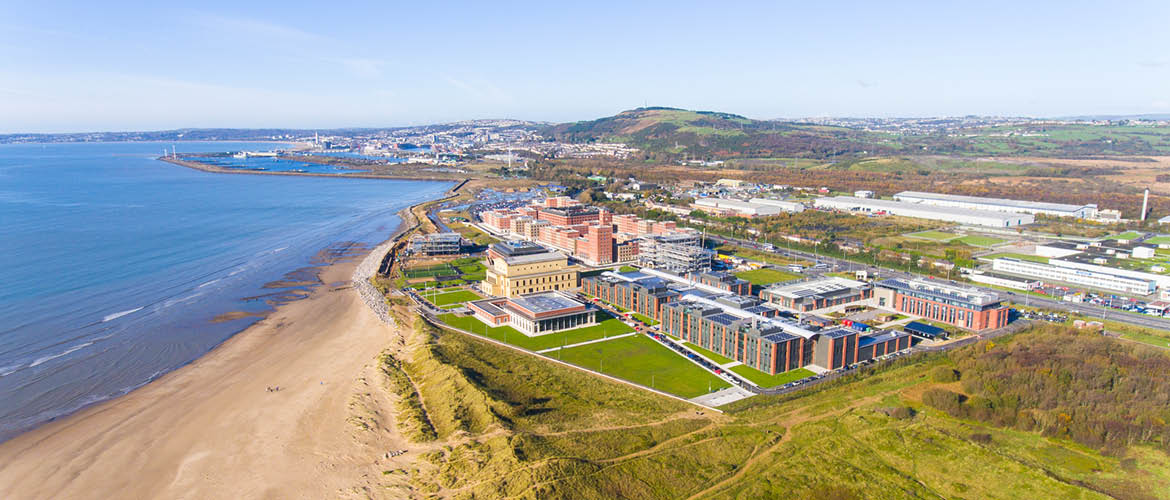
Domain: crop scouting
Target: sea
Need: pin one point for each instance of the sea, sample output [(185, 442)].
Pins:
[(115, 264)]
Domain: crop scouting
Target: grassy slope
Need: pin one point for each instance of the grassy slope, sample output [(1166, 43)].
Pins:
[(531, 429), (764, 380)]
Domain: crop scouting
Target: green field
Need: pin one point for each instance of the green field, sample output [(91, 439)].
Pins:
[(607, 328), (1126, 236), (1020, 256), (1159, 240), (456, 297), (627, 269), (765, 276), (934, 235), (979, 241), (719, 359), (764, 380), (643, 360)]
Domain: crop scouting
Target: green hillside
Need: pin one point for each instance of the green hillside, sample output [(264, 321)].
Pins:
[(715, 134)]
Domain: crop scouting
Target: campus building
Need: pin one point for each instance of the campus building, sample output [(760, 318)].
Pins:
[(1084, 277), (573, 214), (905, 209), (772, 345), (998, 204), (520, 268), (535, 314), (437, 244), (817, 293), (675, 253), (723, 280), (635, 292), (955, 305)]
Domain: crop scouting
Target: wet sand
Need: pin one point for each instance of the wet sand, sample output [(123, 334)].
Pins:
[(213, 429)]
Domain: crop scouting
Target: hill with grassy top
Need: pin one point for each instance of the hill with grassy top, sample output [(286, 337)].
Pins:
[(715, 134)]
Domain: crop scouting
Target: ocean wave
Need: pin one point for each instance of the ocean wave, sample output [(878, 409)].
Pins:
[(10, 369), (208, 283), (66, 352), (111, 317)]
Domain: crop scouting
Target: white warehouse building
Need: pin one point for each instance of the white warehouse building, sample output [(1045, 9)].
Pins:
[(1091, 279), (743, 208), (948, 214), (787, 206), (998, 204)]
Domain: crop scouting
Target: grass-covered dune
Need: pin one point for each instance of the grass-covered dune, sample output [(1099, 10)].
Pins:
[(497, 423)]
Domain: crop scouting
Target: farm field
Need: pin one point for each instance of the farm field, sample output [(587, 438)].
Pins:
[(764, 380), (643, 360)]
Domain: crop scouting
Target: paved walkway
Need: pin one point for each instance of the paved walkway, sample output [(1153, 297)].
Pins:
[(587, 342), (731, 364), (723, 396)]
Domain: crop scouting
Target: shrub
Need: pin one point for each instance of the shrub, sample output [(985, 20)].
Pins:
[(944, 374)]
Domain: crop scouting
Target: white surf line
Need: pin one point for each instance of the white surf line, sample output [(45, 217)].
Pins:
[(551, 349)]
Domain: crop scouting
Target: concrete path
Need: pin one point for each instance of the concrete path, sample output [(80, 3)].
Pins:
[(723, 396), (731, 364), (587, 342)]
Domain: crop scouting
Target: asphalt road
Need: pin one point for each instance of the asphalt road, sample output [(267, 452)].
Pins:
[(1096, 312)]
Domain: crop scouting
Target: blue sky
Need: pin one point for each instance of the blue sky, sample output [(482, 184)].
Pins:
[(114, 66)]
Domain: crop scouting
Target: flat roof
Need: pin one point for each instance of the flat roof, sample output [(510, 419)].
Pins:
[(544, 302), (915, 326), (874, 203), (1001, 202), (943, 290), (823, 286)]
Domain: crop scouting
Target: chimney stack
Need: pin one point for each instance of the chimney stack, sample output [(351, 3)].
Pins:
[(1145, 204)]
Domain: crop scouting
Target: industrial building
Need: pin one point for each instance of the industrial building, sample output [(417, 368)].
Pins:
[(1095, 264), (998, 204), (787, 206), (1091, 279), (728, 207), (535, 314), (519, 268), (1006, 281), (817, 293), (955, 305), (921, 211)]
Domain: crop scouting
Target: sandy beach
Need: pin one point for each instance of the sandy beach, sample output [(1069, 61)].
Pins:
[(212, 429)]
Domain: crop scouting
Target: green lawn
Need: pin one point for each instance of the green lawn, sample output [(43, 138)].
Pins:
[(1126, 236), (627, 269), (643, 360), (1020, 256), (934, 235), (719, 359), (766, 276), (979, 241), (455, 297), (645, 319), (764, 380), (1159, 240), (607, 328)]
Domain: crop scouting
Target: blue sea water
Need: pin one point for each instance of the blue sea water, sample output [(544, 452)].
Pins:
[(114, 263)]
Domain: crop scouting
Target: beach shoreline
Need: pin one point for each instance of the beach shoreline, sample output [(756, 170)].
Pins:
[(214, 427)]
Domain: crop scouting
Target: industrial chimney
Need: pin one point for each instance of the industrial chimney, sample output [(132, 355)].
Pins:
[(1145, 204)]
